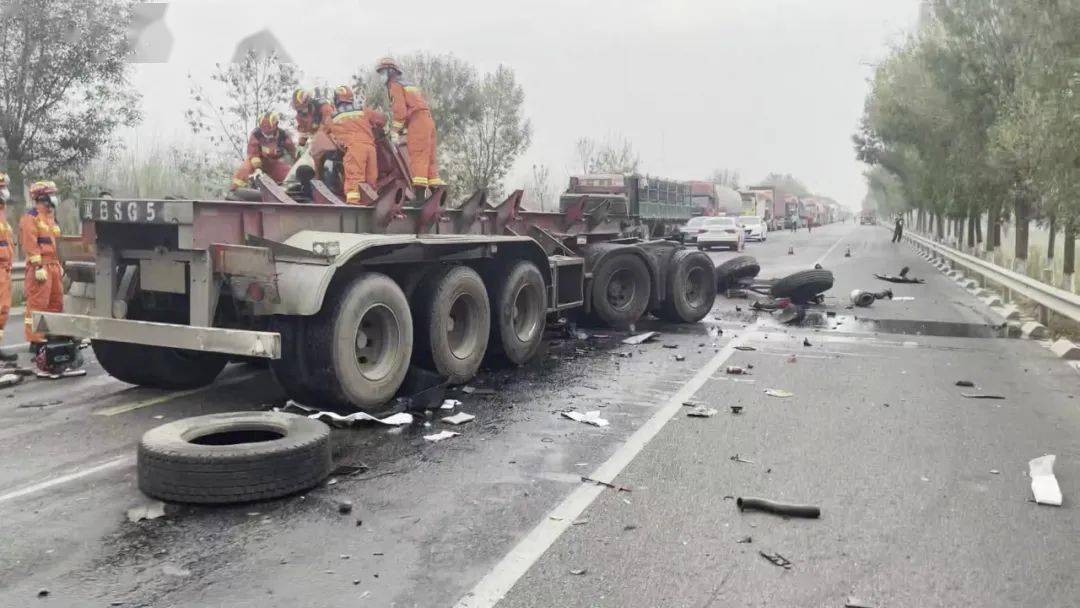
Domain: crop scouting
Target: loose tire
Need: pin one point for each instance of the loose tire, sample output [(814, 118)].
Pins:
[(452, 317), (735, 270), (519, 311), (691, 287), (803, 286), (621, 287), (233, 457), (158, 367), (359, 345)]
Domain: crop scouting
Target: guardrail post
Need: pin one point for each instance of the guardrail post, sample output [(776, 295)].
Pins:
[(1043, 314)]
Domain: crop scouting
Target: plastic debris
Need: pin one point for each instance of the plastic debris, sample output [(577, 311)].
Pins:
[(641, 338), (472, 390), (440, 436), (7, 380), (449, 404), (702, 412), (965, 383), (148, 511), (981, 396), (735, 370), (606, 484), (592, 418), (788, 510), (777, 392), (744, 347), (776, 559), (337, 420), (458, 418), (995, 472), (1043, 483)]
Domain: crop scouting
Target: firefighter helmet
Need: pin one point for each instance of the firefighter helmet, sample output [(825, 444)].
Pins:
[(268, 123), (387, 63), (44, 191), (301, 98), (5, 193), (343, 94)]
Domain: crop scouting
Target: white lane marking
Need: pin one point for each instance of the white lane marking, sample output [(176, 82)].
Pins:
[(515, 564), (122, 461), (830, 250), (127, 407)]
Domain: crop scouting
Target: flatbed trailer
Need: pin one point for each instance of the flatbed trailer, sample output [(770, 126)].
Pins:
[(342, 299)]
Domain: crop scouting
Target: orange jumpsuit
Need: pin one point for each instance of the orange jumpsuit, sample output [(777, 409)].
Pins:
[(411, 113), (268, 151), (7, 256), (353, 130), (37, 235), (313, 118)]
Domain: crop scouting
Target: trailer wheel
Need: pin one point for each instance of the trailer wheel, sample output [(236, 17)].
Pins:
[(360, 343), (803, 286), (621, 287), (734, 270), (453, 322), (233, 457), (691, 288), (291, 370), (519, 306), (158, 367)]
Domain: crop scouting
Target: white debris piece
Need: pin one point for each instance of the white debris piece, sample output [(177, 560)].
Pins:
[(10, 380), (592, 418), (778, 392), (150, 510), (459, 418), (440, 436), (449, 404), (337, 420), (1043, 483)]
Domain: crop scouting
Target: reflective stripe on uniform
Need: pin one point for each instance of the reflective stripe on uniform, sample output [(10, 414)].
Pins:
[(435, 181), (412, 88), (34, 259), (420, 181), (397, 125), (238, 182), (352, 197), (348, 114)]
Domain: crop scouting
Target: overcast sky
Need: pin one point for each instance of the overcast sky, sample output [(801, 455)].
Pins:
[(696, 85)]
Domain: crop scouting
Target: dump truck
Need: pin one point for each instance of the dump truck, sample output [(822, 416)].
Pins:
[(640, 205), (343, 300)]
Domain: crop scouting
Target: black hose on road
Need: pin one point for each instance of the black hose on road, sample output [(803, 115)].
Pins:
[(779, 508)]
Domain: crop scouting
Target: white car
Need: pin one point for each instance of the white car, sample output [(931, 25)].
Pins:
[(721, 232), (689, 231), (755, 228)]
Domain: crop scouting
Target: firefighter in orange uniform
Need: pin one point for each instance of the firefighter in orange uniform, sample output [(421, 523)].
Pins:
[(7, 256), (311, 114), (413, 117), (353, 129), (266, 145), (38, 234)]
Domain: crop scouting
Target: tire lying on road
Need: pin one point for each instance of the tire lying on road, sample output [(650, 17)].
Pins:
[(519, 312), (736, 269), (233, 457), (691, 288), (158, 367), (452, 321), (621, 287), (803, 286)]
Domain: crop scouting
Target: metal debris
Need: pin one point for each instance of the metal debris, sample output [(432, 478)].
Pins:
[(592, 418), (671, 346), (981, 396), (458, 418), (779, 508), (777, 560), (702, 412), (735, 370), (606, 484), (440, 436), (744, 347), (338, 421), (854, 602), (1043, 483), (150, 510), (777, 392), (965, 383), (579, 571), (736, 409), (449, 404), (737, 458), (641, 338)]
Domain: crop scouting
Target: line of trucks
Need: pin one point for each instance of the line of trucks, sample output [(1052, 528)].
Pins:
[(342, 300)]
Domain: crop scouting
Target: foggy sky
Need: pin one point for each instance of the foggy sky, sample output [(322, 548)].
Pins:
[(696, 85)]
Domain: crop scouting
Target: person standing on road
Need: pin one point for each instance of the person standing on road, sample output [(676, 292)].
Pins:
[(411, 116), (38, 234), (898, 229), (7, 256)]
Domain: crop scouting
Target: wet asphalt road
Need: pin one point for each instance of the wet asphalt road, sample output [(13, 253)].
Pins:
[(876, 434)]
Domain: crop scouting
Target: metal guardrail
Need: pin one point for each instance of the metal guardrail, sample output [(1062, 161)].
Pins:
[(1051, 298)]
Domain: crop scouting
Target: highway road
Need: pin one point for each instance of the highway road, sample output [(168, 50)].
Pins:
[(924, 495)]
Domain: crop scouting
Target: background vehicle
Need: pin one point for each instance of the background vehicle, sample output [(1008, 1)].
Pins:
[(755, 228), (688, 232), (643, 206), (722, 232), (866, 218)]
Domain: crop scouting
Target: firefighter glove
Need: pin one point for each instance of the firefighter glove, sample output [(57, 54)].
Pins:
[(395, 137), (40, 275), (256, 162)]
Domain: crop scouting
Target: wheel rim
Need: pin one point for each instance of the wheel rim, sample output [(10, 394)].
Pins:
[(376, 342), (696, 284), (621, 289), (525, 313), (464, 317)]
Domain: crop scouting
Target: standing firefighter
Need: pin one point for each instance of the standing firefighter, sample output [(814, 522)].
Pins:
[(38, 234), (312, 114), (7, 256), (266, 145), (413, 117), (352, 129)]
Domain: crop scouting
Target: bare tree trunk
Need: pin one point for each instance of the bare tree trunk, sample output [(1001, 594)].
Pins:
[(1021, 209), (1053, 238), (940, 226), (972, 221), (993, 227), (1070, 246), (978, 226)]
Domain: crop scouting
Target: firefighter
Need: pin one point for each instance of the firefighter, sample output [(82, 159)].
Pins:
[(411, 116), (266, 145), (311, 114), (7, 255), (352, 128), (38, 234)]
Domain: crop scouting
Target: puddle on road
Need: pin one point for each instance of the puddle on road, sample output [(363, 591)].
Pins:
[(908, 327)]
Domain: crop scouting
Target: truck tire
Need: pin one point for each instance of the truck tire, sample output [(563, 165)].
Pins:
[(803, 286), (691, 287), (519, 308), (621, 287), (734, 270), (291, 370), (452, 320), (233, 457), (156, 366), (359, 345)]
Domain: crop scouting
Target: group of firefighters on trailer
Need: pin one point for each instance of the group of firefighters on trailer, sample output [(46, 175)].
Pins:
[(351, 125)]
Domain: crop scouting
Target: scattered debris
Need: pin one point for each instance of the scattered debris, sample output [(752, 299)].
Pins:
[(680, 358), (854, 602), (736, 370), (171, 570), (606, 484), (579, 571), (746, 540), (792, 314), (777, 392), (981, 396), (777, 560), (150, 510), (779, 508), (440, 436), (458, 418), (629, 527), (43, 592), (737, 458), (641, 338), (344, 506), (46, 403), (791, 250), (715, 332), (995, 472), (666, 345), (1043, 483), (806, 342), (692, 403), (902, 278), (592, 418), (702, 412), (472, 390), (449, 404), (847, 253), (736, 409), (336, 420), (744, 347), (579, 522), (965, 383)]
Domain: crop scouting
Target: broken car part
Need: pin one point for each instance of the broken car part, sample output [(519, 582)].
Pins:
[(641, 338), (592, 417), (779, 508), (1043, 483), (776, 559)]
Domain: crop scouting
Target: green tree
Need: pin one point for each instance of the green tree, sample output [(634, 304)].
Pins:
[(614, 154), (725, 177), (492, 142), (786, 183)]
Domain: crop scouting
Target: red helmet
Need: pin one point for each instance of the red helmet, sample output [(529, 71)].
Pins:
[(301, 98), (268, 123), (343, 94), (387, 63), (44, 191)]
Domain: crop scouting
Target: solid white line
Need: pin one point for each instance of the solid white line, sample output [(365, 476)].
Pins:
[(127, 407), (515, 564), (55, 481)]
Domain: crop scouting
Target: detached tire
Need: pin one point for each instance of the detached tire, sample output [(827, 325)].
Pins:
[(359, 345), (691, 288), (453, 323), (519, 311), (620, 291), (158, 367), (734, 270), (233, 457), (803, 286)]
